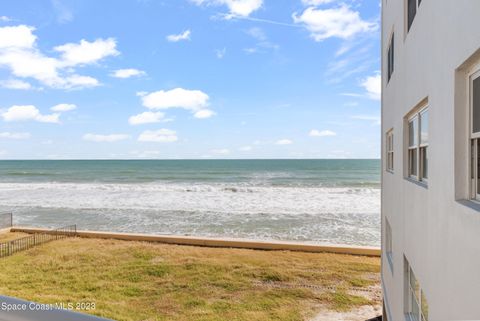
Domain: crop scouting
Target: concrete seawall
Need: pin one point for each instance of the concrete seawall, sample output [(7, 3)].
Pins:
[(219, 242)]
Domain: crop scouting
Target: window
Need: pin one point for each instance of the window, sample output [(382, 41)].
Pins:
[(415, 302), (390, 58), (418, 145), (475, 135), (389, 150), (412, 6), (388, 243)]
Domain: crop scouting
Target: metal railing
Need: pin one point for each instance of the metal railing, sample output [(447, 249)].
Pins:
[(6, 220), (10, 247)]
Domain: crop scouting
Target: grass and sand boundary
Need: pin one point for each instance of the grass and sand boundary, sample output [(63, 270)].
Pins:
[(219, 242), (143, 279)]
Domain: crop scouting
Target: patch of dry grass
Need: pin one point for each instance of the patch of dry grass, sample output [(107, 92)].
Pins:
[(4, 237), (146, 281)]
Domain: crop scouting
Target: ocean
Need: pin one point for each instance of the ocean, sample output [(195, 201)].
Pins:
[(315, 201)]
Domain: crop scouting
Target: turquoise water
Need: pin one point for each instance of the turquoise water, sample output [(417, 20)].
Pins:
[(327, 201), (269, 172)]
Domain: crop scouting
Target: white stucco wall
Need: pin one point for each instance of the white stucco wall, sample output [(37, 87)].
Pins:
[(439, 234)]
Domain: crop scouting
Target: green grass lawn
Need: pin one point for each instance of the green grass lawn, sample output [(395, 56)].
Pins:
[(146, 281)]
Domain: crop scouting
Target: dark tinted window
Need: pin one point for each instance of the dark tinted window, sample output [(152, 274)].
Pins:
[(412, 11), (391, 57), (476, 105)]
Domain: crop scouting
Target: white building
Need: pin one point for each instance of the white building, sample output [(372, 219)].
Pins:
[(431, 159)]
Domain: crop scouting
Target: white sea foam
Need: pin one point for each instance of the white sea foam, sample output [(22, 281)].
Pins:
[(313, 214), (220, 198)]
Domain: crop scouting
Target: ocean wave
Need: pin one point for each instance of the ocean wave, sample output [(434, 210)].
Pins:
[(221, 197)]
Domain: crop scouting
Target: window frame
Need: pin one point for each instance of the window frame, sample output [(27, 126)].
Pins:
[(474, 140), (389, 243), (413, 295), (389, 151), (420, 147), (423, 146)]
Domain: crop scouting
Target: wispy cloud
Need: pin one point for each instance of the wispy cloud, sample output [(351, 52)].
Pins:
[(62, 11), (374, 119), (204, 113), (262, 44), (221, 151), (316, 2), (147, 117), (15, 84), (110, 138), (352, 58), (245, 148), (63, 107), (158, 136), (10, 135), (127, 73), (179, 37), (322, 133), (220, 53), (284, 142)]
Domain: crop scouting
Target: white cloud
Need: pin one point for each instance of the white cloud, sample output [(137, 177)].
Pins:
[(195, 101), (284, 142), (147, 117), (222, 151), (373, 86), (316, 2), (341, 22), (10, 135), (63, 107), (204, 113), (20, 54), (17, 37), (28, 113), (181, 36), (15, 84), (158, 136), (86, 52), (5, 19), (263, 44), (257, 33), (245, 148), (340, 154), (242, 8), (63, 12), (127, 73), (323, 133), (375, 119), (77, 81), (146, 153), (220, 53), (111, 138), (250, 50)]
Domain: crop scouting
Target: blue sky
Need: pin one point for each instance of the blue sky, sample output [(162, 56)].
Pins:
[(189, 79)]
